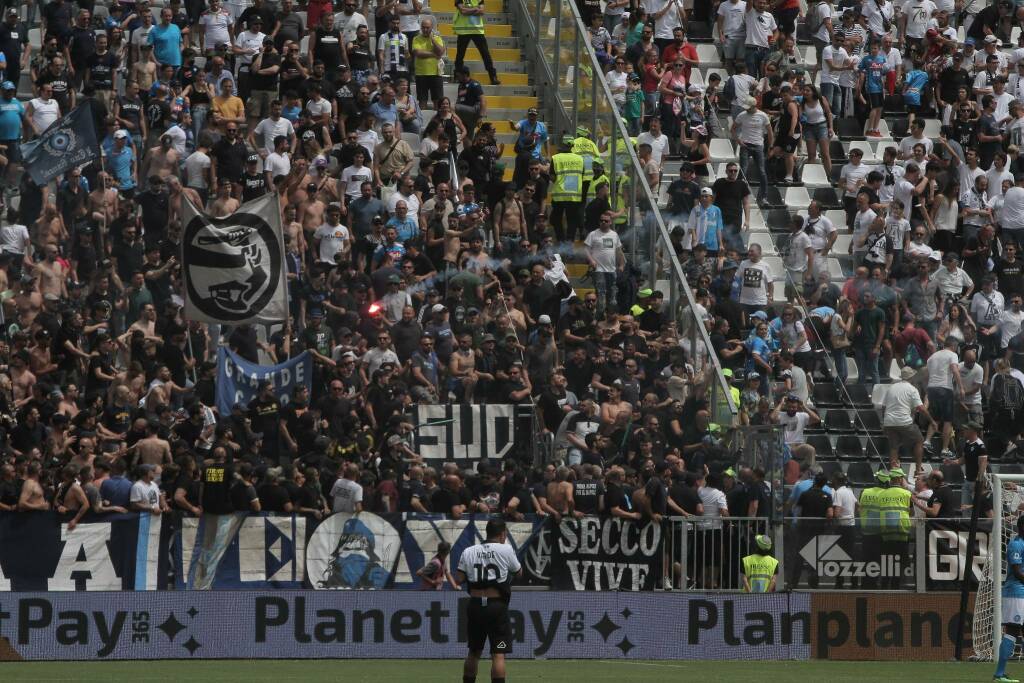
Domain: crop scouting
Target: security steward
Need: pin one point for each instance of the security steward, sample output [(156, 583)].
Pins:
[(567, 191), (895, 506), (489, 569), (760, 567), (586, 148), (871, 525)]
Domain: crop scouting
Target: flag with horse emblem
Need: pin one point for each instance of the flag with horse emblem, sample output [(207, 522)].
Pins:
[(70, 141), (234, 267)]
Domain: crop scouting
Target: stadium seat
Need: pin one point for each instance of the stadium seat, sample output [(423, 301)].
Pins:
[(837, 216), (932, 128), (708, 55), (822, 444), (835, 269), (838, 152), (878, 393), (813, 175), (860, 473), (849, 129), (829, 200), (774, 197), (722, 150), (778, 270), (953, 474), (35, 38), (858, 393), (764, 240), (830, 467), (867, 420), (826, 395), (777, 220), (797, 198), (843, 241), (867, 148), (849, 447), (900, 129), (837, 420)]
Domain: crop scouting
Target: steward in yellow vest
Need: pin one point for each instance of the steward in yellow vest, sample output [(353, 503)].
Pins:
[(567, 191), (469, 28), (759, 568)]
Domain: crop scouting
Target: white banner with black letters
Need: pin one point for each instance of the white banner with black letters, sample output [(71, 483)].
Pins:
[(233, 267)]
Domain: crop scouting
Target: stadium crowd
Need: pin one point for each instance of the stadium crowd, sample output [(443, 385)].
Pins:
[(416, 274)]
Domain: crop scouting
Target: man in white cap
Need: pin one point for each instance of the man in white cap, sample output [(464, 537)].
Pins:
[(902, 403)]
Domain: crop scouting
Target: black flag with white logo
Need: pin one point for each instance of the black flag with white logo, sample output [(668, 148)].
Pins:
[(234, 267), (70, 141)]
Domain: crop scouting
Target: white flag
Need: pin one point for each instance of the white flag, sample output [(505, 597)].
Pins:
[(234, 268)]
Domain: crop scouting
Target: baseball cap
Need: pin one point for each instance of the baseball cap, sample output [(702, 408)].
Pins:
[(544, 320), (882, 475), (487, 338), (753, 375), (252, 158), (437, 308), (118, 134), (972, 424), (532, 111), (991, 39), (394, 280), (729, 264), (935, 255), (568, 139), (764, 542), (907, 372), (582, 131), (645, 292), (707, 192), (896, 472), (13, 10), (761, 315)]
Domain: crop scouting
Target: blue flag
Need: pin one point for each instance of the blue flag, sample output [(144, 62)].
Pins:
[(238, 380), (71, 141)]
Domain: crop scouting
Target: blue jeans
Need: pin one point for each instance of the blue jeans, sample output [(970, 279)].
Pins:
[(605, 286), (839, 358), (199, 114), (834, 95), (867, 365), (754, 56), (758, 152)]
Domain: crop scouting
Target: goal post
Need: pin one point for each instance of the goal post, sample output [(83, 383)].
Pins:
[(1007, 506)]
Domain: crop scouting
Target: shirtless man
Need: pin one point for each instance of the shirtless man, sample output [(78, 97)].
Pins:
[(162, 389), (152, 450), (313, 211), (41, 356), (31, 497), (509, 220), (615, 412), (559, 494), (453, 239), (475, 258), (175, 192), (22, 379), (462, 366), (223, 204), (103, 201), (49, 227), (144, 70), (146, 323), (161, 160), (69, 403), (29, 302), (293, 228), (52, 274)]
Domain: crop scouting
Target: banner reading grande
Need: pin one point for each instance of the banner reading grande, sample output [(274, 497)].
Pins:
[(70, 141), (605, 553), (238, 380), (233, 267)]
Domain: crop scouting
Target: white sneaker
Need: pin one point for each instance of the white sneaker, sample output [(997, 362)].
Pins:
[(788, 179)]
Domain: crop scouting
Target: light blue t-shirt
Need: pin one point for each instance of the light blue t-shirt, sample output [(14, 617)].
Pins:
[(166, 42), (916, 80), (11, 112), (1012, 587), (120, 166), (875, 69)]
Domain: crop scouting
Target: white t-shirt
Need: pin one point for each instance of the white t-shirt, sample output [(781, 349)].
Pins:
[(602, 247), (907, 146), (44, 113), (270, 129), (793, 427), (986, 309), (668, 21), (1009, 325), (333, 239), (754, 279), (974, 376), (277, 164), (796, 252), (658, 145), (760, 25), (753, 128), (846, 500), (897, 231), (850, 175), (345, 495), (195, 170), (822, 227), (348, 25), (875, 11), (354, 177), (617, 85), (145, 494), (734, 19), (1011, 217), (820, 11), (250, 43), (216, 28), (861, 225), (995, 181), (918, 12), (901, 401), (489, 564), (939, 374), (714, 502), (831, 55), (14, 239)]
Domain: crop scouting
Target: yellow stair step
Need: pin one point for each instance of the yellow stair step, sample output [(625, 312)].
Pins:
[(505, 78), (509, 172), (492, 30), (498, 54), (438, 6), (577, 270), (510, 101)]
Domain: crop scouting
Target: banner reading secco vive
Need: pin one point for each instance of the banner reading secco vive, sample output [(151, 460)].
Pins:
[(238, 380), (606, 553), (398, 624)]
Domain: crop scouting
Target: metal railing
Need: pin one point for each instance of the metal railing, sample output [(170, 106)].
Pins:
[(575, 93), (706, 553)]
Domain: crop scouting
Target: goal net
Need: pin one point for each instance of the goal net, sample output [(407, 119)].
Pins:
[(1007, 504)]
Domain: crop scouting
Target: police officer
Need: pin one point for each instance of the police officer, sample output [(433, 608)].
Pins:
[(489, 569), (567, 191), (760, 567)]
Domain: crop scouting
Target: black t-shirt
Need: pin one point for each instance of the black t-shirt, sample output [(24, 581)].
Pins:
[(102, 69), (265, 414), (738, 500), (973, 451), (273, 498), (1011, 277), (617, 497), (814, 502), (254, 186), (242, 494), (948, 500), (216, 496), (950, 82), (685, 497), (470, 93), (157, 113), (328, 48), (61, 84), (729, 196), (230, 159), (657, 495), (587, 493), (267, 81), (444, 500)]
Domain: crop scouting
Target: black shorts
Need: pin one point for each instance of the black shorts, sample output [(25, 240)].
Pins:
[(875, 100), (789, 143), (488, 620)]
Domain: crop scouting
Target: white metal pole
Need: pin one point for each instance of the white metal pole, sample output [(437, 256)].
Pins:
[(995, 549)]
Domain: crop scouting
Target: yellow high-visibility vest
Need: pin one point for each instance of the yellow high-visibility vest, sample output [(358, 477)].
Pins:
[(759, 570), (586, 148), (568, 185), (468, 25)]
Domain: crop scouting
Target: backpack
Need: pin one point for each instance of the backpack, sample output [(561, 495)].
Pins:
[(815, 20), (729, 91), (1007, 393)]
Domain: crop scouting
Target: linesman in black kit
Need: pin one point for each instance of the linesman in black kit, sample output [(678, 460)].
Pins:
[(488, 569)]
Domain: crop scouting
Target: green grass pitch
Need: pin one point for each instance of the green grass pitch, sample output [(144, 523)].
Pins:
[(450, 671)]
